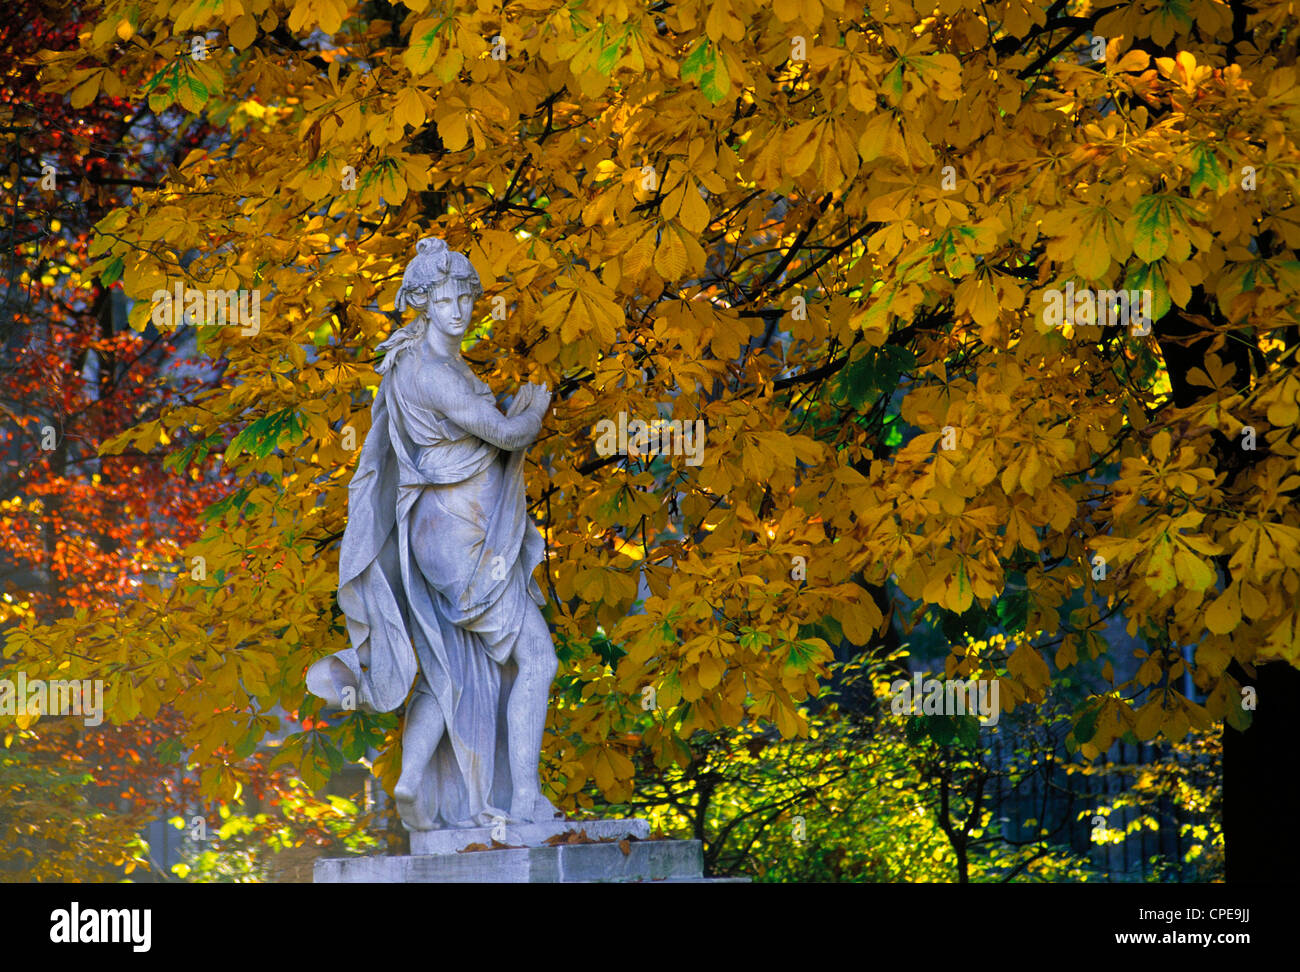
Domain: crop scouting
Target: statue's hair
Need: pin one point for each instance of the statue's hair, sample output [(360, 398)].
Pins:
[(434, 266)]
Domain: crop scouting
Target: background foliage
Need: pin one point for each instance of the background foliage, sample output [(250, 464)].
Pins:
[(825, 231)]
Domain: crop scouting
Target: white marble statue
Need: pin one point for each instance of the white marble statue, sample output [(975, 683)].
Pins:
[(435, 572)]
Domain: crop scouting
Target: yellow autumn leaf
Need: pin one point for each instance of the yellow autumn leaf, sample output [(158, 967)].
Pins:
[(1224, 614), (670, 256), (694, 212), (85, 92), (243, 31), (409, 108), (710, 670), (1027, 665), (1160, 573)]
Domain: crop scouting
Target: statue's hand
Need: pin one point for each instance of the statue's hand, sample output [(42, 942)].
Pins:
[(523, 399), (540, 397)]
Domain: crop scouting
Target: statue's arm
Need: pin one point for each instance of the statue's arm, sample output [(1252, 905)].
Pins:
[(449, 394)]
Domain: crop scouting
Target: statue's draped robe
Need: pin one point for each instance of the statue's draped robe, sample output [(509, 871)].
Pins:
[(434, 576)]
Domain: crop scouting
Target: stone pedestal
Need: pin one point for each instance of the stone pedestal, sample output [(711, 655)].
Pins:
[(618, 851), (526, 835)]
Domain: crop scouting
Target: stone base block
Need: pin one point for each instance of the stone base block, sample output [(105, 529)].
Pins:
[(645, 860), (526, 835)]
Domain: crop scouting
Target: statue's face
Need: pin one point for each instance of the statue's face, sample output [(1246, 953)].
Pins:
[(448, 307)]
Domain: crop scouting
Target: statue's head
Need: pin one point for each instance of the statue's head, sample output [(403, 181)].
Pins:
[(442, 285), (436, 272)]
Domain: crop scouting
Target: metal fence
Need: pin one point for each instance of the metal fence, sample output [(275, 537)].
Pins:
[(1066, 805)]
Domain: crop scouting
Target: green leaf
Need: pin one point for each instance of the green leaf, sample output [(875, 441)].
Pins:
[(244, 748), (234, 501), (1152, 233), (861, 382), (192, 93), (696, 60), (1209, 170), (1148, 277), (111, 273), (420, 53), (168, 74), (893, 431), (716, 83), (161, 95), (800, 655), (957, 260), (263, 436), (1012, 610), (195, 452), (608, 652), (1086, 726), (171, 750), (942, 728), (827, 629), (609, 54), (892, 84), (915, 728), (968, 730), (361, 731)]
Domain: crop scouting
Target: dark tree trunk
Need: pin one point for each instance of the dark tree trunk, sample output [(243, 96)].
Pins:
[(1261, 791), (1261, 786)]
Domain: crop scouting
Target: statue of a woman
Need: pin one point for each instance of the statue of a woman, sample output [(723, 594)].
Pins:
[(435, 572)]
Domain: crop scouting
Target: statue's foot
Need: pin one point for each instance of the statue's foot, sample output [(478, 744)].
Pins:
[(491, 817), (405, 796), (523, 804), (544, 810), (529, 806)]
